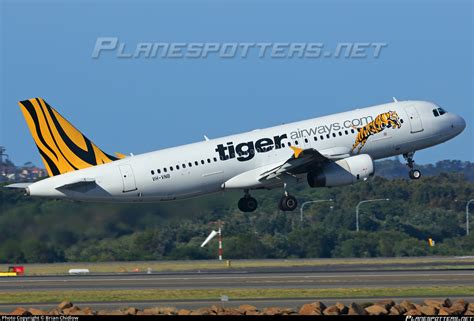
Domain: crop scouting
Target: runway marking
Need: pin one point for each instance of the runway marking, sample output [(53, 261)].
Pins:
[(197, 278)]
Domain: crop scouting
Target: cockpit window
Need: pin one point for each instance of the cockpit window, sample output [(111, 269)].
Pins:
[(435, 112), (441, 111)]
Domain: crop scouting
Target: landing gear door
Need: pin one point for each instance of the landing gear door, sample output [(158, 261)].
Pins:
[(414, 118), (128, 178)]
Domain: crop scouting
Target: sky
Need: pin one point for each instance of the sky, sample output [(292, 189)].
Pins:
[(136, 105)]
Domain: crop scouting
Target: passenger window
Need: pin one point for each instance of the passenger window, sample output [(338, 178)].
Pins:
[(171, 168), (327, 136), (306, 140), (196, 163), (321, 137), (315, 138), (346, 132), (215, 159), (296, 142), (352, 130), (333, 134), (152, 172), (158, 171), (184, 165), (190, 164), (340, 133), (165, 170), (177, 167), (289, 143), (208, 160), (202, 161), (435, 112)]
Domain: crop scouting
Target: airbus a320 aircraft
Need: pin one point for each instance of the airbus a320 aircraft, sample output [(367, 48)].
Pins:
[(327, 151)]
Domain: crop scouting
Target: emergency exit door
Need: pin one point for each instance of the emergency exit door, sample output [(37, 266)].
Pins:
[(128, 178), (414, 119)]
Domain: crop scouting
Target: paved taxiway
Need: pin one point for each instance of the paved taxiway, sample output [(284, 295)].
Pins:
[(287, 278)]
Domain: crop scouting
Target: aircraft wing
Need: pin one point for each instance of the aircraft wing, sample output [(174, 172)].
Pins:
[(298, 163), (303, 160)]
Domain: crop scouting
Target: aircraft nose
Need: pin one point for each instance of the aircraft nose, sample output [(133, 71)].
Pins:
[(458, 124)]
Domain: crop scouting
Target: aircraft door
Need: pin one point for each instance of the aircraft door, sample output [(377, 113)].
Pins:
[(128, 178), (414, 119)]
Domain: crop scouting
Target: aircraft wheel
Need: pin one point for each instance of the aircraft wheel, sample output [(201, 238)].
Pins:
[(414, 174), (247, 204), (281, 204), (288, 203)]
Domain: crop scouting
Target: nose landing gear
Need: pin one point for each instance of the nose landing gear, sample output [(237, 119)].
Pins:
[(413, 173)]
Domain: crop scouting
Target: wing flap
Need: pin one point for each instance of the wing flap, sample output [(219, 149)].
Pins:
[(300, 162)]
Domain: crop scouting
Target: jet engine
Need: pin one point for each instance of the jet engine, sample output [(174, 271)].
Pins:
[(342, 172)]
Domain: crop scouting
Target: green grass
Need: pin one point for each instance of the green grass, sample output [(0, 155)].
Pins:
[(214, 294), (160, 266)]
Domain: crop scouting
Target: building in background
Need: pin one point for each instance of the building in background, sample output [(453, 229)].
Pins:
[(9, 172)]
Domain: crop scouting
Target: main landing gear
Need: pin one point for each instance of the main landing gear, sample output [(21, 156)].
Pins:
[(247, 203), (287, 202), (413, 173)]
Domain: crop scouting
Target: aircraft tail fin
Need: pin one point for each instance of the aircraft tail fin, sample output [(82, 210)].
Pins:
[(63, 148)]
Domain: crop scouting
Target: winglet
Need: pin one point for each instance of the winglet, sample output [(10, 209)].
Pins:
[(297, 151), (395, 100)]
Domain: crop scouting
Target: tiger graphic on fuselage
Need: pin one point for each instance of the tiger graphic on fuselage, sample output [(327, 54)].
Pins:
[(389, 119)]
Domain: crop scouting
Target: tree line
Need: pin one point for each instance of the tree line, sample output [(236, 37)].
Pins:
[(39, 230)]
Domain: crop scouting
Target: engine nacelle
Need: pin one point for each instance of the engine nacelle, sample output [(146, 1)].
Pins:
[(342, 172)]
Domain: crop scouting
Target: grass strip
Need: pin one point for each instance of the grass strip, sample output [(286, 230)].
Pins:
[(117, 267), (214, 294)]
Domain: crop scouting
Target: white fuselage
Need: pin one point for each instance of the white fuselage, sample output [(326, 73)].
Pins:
[(160, 175)]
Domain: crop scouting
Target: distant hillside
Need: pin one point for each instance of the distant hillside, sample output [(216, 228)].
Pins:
[(395, 168)]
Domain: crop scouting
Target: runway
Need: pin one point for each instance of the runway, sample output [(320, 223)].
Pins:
[(255, 279)]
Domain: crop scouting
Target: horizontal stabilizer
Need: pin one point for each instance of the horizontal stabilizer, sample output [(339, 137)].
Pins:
[(18, 185), (80, 185)]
